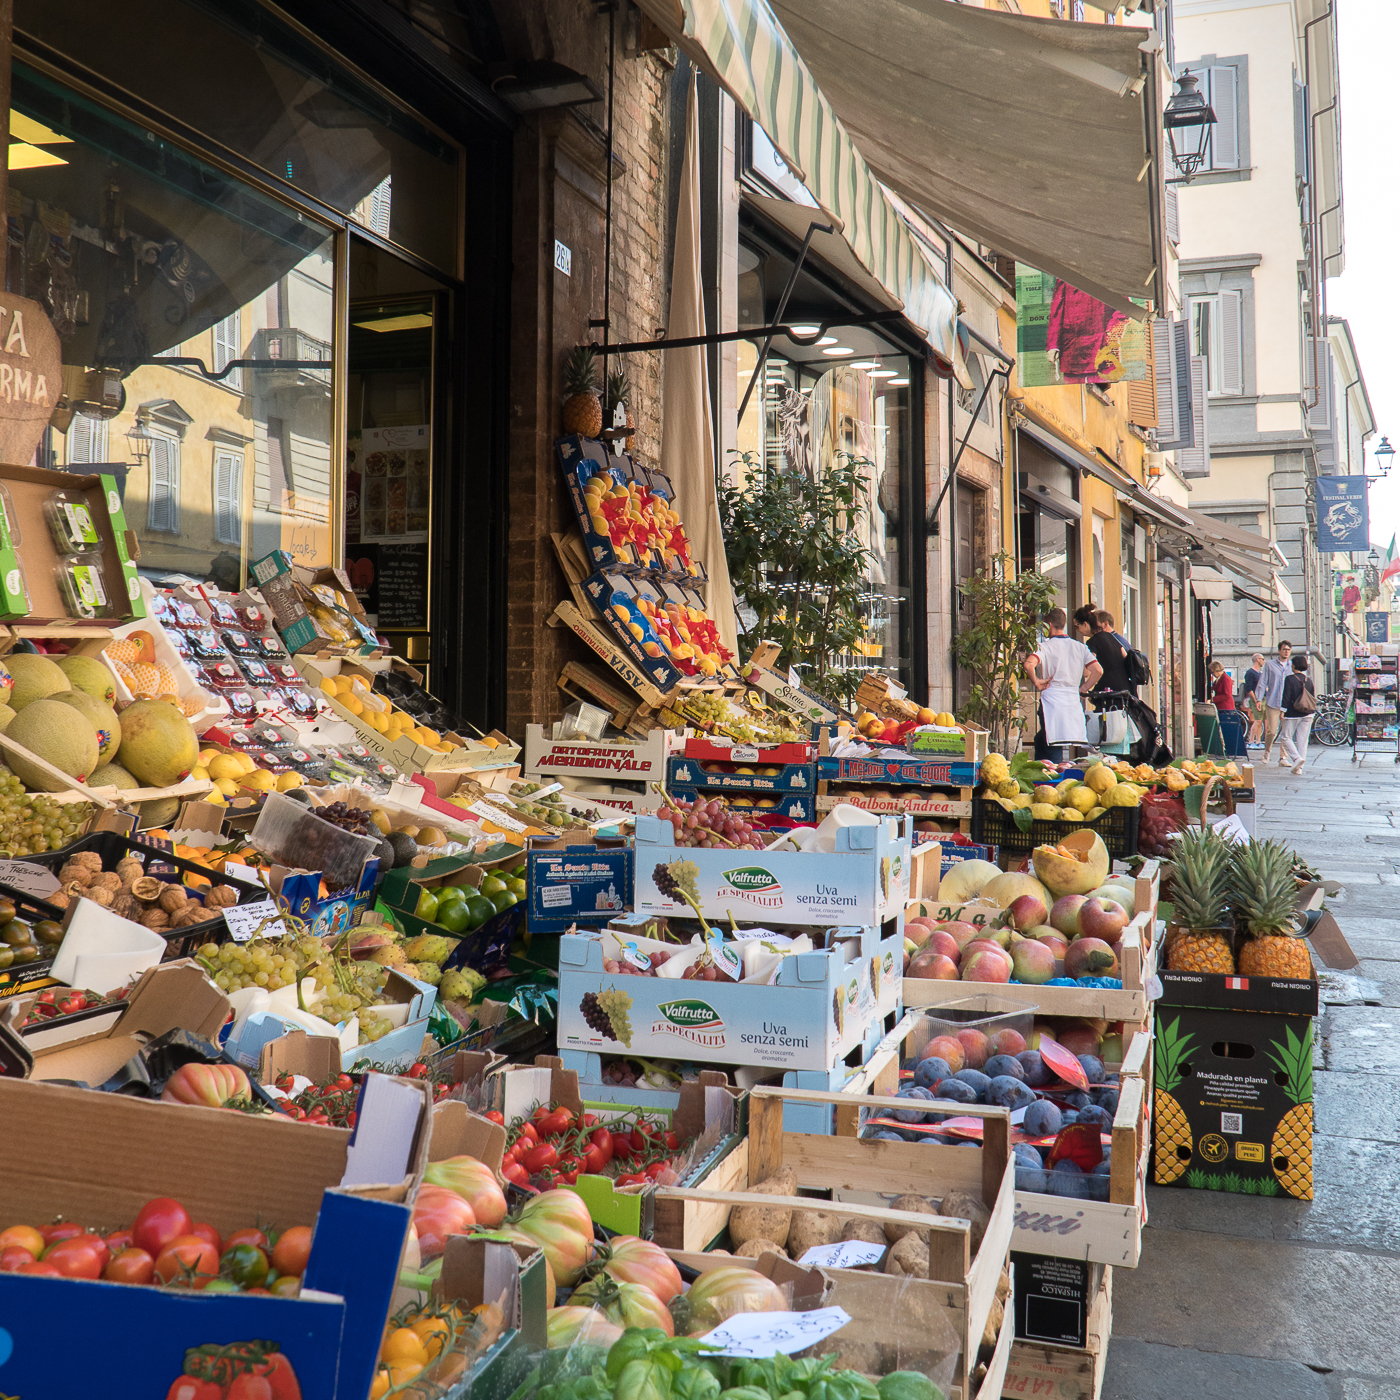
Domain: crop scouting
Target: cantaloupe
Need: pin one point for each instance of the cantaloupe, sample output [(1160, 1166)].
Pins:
[(88, 674), (58, 733), (103, 719), (966, 880), (36, 677)]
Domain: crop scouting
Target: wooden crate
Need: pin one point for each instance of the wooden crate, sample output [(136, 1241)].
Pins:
[(1064, 1372), (1102, 1232), (859, 1178), (592, 634)]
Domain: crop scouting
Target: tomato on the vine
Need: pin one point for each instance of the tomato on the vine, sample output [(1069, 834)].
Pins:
[(671, 1140), (630, 1179), (118, 1240), (602, 1139), (537, 1159), (419, 1071), (288, 1286), (528, 1134), (244, 1263), (12, 1256), (79, 1256), (187, 1256), (158, 1222), (516, 1174), (62, 1231), (205, 1231), (130, 1266), (343, 1081), (622, 1145), (39, 1266), (248, 1235), (292, 1250), (593, 1162), (557, 1121), (495, 1116), (655, 1170)]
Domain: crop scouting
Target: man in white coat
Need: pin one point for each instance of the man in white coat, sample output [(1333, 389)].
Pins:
[(1063, 670)]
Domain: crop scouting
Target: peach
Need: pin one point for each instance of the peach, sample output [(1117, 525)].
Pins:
[(949, 1049), (1007, 1042), (974, 1044), (1080, 1040)]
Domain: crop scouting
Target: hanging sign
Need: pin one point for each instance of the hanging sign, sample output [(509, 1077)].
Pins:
[(1343, 526), (1377, 626), (31, 376)]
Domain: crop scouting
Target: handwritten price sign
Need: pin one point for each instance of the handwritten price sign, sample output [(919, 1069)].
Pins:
[(776, 1333)]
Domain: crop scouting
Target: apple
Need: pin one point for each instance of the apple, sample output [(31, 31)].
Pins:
[(1064, 917), (941, 941), (976, 1047), (961, 933), (1090, 957), (1040, 1031), (1103, 919), (949, 1049), (1007, 1042), (936, 966), (989, 965), (1026, 911), (984, 945), (1080, 1040), (1111, 1049), (918, 930), (1032, 962)]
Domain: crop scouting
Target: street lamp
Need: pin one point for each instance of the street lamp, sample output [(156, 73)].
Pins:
[(139, 439), (1188, 120), (1384, 455)]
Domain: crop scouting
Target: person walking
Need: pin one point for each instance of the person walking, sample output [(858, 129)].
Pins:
[(1299, 707), (1111, 652), (1271, 679), (1062, 669), (1250, 702)]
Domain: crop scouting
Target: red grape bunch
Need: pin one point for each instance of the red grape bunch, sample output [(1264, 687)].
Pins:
[(626, 968), (709, 822)]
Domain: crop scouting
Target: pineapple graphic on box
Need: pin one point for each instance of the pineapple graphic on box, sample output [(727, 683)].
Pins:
[(1170, 1130), (1290, 1152)]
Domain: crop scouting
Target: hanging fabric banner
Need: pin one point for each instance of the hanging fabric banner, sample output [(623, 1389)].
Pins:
[(1343, 526)]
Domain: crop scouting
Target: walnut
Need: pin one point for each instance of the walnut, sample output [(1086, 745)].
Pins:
[(90, 859), (75, 888), (148, 889), (61, 900), (155, 919), (220, 897), (173, 898), (130, 870), (103, 897), (73, 873), (106, 880), (192, 913), (129, 907)]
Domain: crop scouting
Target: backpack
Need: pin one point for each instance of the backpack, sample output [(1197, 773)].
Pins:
[(1139, 672)]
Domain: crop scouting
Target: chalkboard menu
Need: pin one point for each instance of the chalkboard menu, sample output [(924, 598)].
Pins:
[(403, 585)]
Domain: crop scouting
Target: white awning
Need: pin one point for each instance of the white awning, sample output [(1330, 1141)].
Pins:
[(1285, 598)]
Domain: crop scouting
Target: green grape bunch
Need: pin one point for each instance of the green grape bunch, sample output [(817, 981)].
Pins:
[(607, 1013)]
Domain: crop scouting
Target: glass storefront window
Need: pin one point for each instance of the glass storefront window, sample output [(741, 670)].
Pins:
[(160, 274), (235, 72), (1050, 546)]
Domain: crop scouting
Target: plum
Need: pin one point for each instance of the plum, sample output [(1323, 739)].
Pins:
[(975, 1080), (1077, 1098), (1097, 1116), (1006, 1091), (1043, 1119), (1066, 1179), (913, 1115), (930, 1070), (955, 1090), (1037, 1073), (1026, 1155), (1005, 1064), (1093, 1068), (1106, 1097)]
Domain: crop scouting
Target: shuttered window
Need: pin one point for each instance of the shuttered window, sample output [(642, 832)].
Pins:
[(1164, 381), (1195, 459), (164, 511), (1223, 88), (1142, 393), (227, 343), (87, 440), (1173, 217), (228, 498), (1217, 336)]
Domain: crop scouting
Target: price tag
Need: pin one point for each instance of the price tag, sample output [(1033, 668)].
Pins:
[(28, 878), (556, 896), (241, 874), (634, 955), (245, 920), (775, 1333), (849, 1255), (494, 814), (726, 959)]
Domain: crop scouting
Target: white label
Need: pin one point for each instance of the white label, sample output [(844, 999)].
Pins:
[(775, 1333), (28, 878), (563, 259), (634, 955), (114, 503), (744, 753), (555, 896), (241, 874), (245, 920), (497, 816), (849, 1255), (133, 588)]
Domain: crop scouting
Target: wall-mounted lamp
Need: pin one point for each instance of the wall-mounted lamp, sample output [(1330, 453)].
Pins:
[(138, 440)]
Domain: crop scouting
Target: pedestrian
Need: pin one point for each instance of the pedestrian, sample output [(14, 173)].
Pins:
[(1250, 700), (1084, 621), (1271, 679), (1222, 688), (1111, 652), (1062, 669), (1299, 706)]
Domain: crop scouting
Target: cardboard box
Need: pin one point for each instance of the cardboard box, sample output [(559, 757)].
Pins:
[(779, 811), (1233, 1102), (684, 771), (608, 760), (30, 488), (1064, 1372), (910, 772), (946, 808), (864, 880), (970, 745), (1053, 1298), (281, 581), (1283, 996), (717, 749), (574, 883), (199, 1156), (483, 946), (790, 696)]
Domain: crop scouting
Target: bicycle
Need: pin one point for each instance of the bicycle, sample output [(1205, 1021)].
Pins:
[(1331, 727)]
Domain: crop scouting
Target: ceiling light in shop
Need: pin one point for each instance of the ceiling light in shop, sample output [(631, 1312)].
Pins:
[(839, 350), (26, 157), (804, 330), (827, 340), (865, 364), (898, 383), (24, 128), (414, 321), (884, 374)]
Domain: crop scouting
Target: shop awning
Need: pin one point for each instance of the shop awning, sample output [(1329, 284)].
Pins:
[(1241, 540), (1040, 137), (1071, 456), (741, 44)]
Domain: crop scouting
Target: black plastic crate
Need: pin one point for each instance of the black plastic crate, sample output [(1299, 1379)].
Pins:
[(29, 976), (994, 825), (112, 847)]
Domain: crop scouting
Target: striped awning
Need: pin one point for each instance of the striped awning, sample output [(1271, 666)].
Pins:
[(745, 49)]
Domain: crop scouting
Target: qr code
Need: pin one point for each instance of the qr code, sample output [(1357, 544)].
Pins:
[(1232, 1123)]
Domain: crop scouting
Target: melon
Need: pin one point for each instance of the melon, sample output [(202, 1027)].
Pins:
[(966, 880), (112, 775), (58, 733), (158, 811), (159, 746), (1077, 865), (6, 715), (87, 674), (35, 678), (1010, 886), (101, 716)]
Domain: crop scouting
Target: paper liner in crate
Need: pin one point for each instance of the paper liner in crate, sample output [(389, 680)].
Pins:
[(136, 670), (101, 949)]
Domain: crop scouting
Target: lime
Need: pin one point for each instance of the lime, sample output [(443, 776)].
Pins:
[(492, 884), (427, 906), (448, 893), (503, 900), (519, 872), (454, 915), (479, 910), (516, 887)]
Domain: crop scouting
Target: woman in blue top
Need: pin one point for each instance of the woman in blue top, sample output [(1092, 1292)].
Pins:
[(1250, 702)]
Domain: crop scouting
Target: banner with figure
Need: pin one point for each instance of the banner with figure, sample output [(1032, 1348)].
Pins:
[(1343, 526), (1065, 336)]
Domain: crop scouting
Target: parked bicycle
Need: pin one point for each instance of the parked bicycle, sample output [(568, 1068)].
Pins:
[(1330, 724)]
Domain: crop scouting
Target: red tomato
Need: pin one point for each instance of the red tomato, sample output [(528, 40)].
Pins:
[(53, 1233), (631, 1179), (516, 1174), (83, 1256), (590, 1120), (158, 1222), (655, 1170), (24, 1237), (559, 1120), (292, 1250), (187, 1256), (130, 1266), (118, 1240), (39, 1266), (537, 1159), (528, 1134), (567, 1178), (248, 1236), (671, 1140), (496, 1116), (419, 1071), (593, 1162), (249, 1387), (205, 1231), (343, 1081), (639, 1140), (602, 1139), (622, 1145), (12, 1256), (192, 1388)]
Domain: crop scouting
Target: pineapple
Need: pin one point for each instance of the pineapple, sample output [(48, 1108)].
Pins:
[(1170, 1130), (619, 391), (1292, 1144), (1199, 870), (583, 414), (1264, 896)]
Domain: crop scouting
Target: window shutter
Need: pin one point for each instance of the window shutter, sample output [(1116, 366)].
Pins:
[(228, 498), (1232, 340), (1142, 393), (1164, 380), (1320, 414), (1225, 134), (80, 441), (1300, 131), (164, 512), (1194, 460), (1185, 422), (1173, 217)]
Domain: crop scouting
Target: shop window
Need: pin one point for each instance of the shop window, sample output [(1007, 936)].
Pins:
[(190, 270)]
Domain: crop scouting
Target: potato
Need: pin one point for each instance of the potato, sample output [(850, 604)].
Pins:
[(909, 1257), (867, 1230), (992, 1330), (756, 1249), (916, 1205), (765, 1222), (810, 1228), (961, 1205)]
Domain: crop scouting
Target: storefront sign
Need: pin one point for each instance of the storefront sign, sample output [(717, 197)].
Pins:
[(1065, 336), (1377, 627), (1343, 525), (30, 376)]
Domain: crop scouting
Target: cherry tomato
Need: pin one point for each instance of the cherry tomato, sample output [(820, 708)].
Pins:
[(631, 1179), (560, 1120), (671, 1140), (130, 1266), (593, 1162), (12, 1256), (516, 1174), (39, 1266), (496, 1116), (292, 1250), (419, 1071), (192, 1388), (65, 1231), (244, 1263), (655, 1170), (24, 1237), (206, 1231), (602, 1139), (343, 1081), (158, 1222), (639, 1140), (186, 1256), (82, 1256), (218, 1285), (528, 1134), (622, 1145), (590, 1120), (288, 1286), (538, 1159), (118, 1240), (248, 1235), (567, 1178)]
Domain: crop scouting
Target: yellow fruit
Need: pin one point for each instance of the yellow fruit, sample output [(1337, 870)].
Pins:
[(207, 756), (199, 771), (426, 737), (1121, 795), (158, 745), (403, 1346), (1082, 798), (227, 786), (288, 781), (343, 684), (224, 765), (636, 630), (1010, 788), (1100, 778), (329, 687), (1046, 794), (260, 779), (352, 704), (214, 798), (1071, 814), (1045, 811)]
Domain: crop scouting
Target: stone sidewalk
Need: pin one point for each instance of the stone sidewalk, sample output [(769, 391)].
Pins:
[(1250, 1298)]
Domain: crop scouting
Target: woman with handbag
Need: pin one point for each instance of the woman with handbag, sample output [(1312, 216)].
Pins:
[(1299, 706)]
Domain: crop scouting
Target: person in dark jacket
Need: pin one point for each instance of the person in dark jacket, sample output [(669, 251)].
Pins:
[(1111, 652), (1297, 713)]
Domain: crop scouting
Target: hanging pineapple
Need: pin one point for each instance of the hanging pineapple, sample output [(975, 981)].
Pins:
[(583, 414), (1264, 897), (1199, 869), (619, 391)]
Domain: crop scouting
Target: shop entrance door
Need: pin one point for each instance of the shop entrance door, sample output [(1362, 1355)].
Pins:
[(965, 503)]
